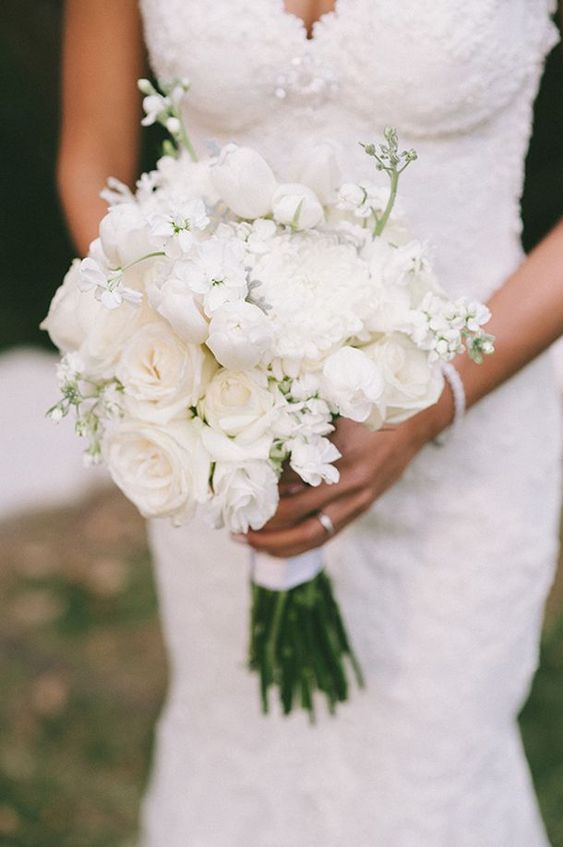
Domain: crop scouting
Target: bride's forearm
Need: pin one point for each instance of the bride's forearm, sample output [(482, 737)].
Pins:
[(527, 316)]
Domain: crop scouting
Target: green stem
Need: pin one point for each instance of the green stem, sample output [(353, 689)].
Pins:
[(382, 222), (185, 139), (279, 608)]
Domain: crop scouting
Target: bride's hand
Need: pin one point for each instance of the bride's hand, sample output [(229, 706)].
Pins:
[(371, 463)]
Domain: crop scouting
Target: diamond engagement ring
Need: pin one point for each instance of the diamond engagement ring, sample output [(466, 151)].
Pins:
[(326, 523)]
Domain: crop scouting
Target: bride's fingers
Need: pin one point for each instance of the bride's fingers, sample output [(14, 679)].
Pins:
[(295, 508), (310, 533)]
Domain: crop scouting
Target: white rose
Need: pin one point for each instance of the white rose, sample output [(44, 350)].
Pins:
[(163, 471), (245, 496), (162, 376), (297, 206), (240, 335), (61, 322), (318, 168), (244, 181), (222, 448), (411, 383), (107, 331), (183, 311), (238, 403), (312, 460), (352, 383)]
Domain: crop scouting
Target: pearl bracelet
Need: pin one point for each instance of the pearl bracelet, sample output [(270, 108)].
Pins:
[(458, 392)]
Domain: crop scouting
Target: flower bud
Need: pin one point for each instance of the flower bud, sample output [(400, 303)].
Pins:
[(297, 206), (244, 181)]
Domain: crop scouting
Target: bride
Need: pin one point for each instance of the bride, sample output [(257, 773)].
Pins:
[(443, 555)]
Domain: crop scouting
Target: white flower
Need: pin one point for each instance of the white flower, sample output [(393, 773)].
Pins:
[(240, 336), (178, 225), (362, 199), (107, 285), (245, 496), (244, 181), (297, 206), (222, 448), (183, 311), (194, 177), (162, 376), (216, 272), (411, 382), (125, 235), (238, 403), (352, 383), (164, 471), (61, 322), (312, 460), (318, 168)]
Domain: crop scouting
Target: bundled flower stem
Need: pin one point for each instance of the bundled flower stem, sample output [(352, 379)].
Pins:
[(299, 646)]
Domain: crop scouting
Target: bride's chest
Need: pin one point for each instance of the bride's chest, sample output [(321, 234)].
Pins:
[(427, 67)]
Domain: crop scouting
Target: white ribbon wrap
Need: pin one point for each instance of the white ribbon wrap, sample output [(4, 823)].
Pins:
[(284, 574)]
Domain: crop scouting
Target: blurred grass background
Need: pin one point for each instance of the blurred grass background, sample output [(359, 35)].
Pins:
[(82, 666)]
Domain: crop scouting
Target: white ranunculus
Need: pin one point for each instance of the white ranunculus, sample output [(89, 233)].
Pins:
[(312, 459), (238, 403), (297, 206), (244, 181), (245, 495), (318, 167), (411, 383), (240, 336), (352, 383), (181, 308), (162, 376), (164, 471), (65, 331)]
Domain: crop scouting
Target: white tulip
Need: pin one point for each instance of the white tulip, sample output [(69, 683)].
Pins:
[(240, 336), (297, 206), (318, 168), (244, 181), (180, 307)]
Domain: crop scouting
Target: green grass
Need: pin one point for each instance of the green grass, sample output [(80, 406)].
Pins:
[(82, 676)]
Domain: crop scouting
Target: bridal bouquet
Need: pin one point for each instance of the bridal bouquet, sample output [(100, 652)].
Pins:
[(218, 327)]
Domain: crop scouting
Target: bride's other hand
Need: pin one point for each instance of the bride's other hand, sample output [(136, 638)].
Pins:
[(371, 463)]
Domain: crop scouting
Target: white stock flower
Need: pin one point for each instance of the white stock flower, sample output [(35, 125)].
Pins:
[(194, 177), (216, 272), (352, 383), (106, 284), (411, 382), (296, 206), (244, 181), (312, 459), (240, 336), (164, 471), (178, 223), (245, 496), (174, 301), (162, 376), (154, 105), (238, 403)]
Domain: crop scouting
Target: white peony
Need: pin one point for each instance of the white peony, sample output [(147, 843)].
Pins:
[(352, 383), (240, 335), (163, 471), (238, 403), (244, 496), (162, 376), (296, 206), (411, 383), (312, 459), (244, 181)]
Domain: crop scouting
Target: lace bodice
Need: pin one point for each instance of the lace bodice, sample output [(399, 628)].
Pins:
[(456, 79)]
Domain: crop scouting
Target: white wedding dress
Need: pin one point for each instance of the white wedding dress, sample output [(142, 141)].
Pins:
[(443, 582)]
